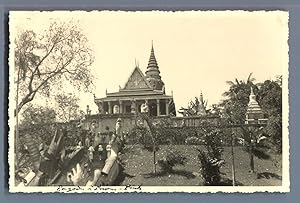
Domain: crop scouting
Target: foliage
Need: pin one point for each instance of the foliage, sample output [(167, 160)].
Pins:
[(253, 142), (140, 135), (213, 141), (39, 121), (45, 61), (236, 99), (274, 130), (193, 141), (171, 159), (210, 168), (215, 110), (211, 159), (194, 107), (68, 108), (254, 139), (270, 98)]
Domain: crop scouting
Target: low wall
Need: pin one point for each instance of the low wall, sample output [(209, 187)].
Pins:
[(104, 123)]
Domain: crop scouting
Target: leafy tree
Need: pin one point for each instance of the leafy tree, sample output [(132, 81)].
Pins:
[(39, 121), (67, 107), (211, 160), (253, 141), (43, 61), (270, 99), (235, 107)]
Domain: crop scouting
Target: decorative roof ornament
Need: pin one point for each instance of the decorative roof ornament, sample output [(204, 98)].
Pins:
[(136, 63)]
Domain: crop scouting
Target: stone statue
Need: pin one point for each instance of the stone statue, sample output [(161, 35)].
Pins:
[(116, 109), (145, 107)]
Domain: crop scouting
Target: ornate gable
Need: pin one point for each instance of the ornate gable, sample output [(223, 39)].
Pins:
[(137, 80)]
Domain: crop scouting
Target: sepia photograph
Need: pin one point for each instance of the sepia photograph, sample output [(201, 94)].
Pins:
[(148, 101)]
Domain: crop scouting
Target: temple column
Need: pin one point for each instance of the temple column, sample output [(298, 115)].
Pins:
[(121, 106), (100, 107), (157, 107), (133, 106), (167, 107), (147, 107), (109, 108)]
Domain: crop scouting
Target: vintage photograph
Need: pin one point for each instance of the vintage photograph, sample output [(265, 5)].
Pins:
[(148, 101)]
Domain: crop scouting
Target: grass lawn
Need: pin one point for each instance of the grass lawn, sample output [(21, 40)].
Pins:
[(139, 168)]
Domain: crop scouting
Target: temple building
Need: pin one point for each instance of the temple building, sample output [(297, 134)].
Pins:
[(142, 93), (139, 92)]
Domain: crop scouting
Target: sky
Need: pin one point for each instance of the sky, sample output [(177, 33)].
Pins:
[(196, 51)]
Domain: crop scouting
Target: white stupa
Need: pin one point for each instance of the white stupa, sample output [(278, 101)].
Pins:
[(254, 112)]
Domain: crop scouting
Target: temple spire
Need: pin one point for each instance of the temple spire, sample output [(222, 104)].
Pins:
[(152, 72), (152, 64), (201, 97), (252, 99)]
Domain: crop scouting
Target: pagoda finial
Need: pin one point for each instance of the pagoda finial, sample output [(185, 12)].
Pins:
[(201, 97), (252, 93), (136, 63), (252, 97)]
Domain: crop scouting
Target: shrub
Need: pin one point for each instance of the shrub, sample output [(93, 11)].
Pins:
[(171, 159), (211, 159), (210, 168), (193, 141)]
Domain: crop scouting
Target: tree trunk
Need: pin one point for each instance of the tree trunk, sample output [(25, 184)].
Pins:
[(232, 160), (251, 159), (154, 158)]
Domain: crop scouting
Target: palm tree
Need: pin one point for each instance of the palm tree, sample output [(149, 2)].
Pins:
[(252, 140), (237, 98), (235, 107)]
